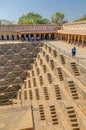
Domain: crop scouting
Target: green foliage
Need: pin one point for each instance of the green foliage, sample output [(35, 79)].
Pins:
[(32, 18), (58, 18), (81, 19)]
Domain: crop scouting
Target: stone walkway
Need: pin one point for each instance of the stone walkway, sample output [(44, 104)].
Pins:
[(66, 49)]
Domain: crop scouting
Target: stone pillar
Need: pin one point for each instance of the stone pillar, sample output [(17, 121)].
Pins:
[(58, 36), (55, 35), (71, 39), (74, 39), (39, 36), (82, 41), (19, 36), (44, 36), (29, 35), (15, 36), (68, 38), (61, 37), (5, 37), (49, 36), (65, 37), (78, 40), (34, 35)]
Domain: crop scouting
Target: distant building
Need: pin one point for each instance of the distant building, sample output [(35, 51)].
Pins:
[(74, 33), (17, 32)]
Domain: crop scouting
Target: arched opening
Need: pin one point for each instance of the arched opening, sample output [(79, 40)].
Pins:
[(31, 38), (12, 37), (27, 35), (17, 37), (32, 35), (7, 37), (37, 37), (22, 37), (2, 37), (47, 36), (42, 36), (52, 36)]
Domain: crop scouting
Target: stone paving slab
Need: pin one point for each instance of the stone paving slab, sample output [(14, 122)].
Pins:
[(16, 119)]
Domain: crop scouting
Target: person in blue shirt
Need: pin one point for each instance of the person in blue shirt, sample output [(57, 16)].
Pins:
[(73, 51)]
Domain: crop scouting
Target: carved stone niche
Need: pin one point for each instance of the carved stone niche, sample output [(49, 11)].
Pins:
[(49, 77), (41, 61), (47, 58), (43, 53), (44, 68), (35, 64), (34, 82), (52, 64), (38, 56), (50, 49), (54, 53), (42, 44), (38, 72), (40, 80), (46, 46)]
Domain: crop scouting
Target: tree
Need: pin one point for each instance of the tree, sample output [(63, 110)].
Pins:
[(58, 18), (81, 19), (32, 18)]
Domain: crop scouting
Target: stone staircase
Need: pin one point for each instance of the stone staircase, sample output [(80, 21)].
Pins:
[(15, 61), (38, 76), (74, 69)]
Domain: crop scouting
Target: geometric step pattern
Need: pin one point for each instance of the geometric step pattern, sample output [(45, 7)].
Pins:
[(15, 61), (73, 90), (57, 92), (74, 69), (42, 80), (72, 117), (62, 59), (53, 115), (41, 110), (59, 71)]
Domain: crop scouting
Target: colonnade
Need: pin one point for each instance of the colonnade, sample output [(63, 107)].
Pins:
[(26, 36), (79, 40)]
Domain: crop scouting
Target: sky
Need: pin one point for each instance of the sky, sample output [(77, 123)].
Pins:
[(13, 9)]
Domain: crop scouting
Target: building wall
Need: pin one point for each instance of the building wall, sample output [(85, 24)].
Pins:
[(74, 33), (16, 32)]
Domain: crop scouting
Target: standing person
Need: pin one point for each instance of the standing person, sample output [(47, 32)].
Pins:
[(74, 51)]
